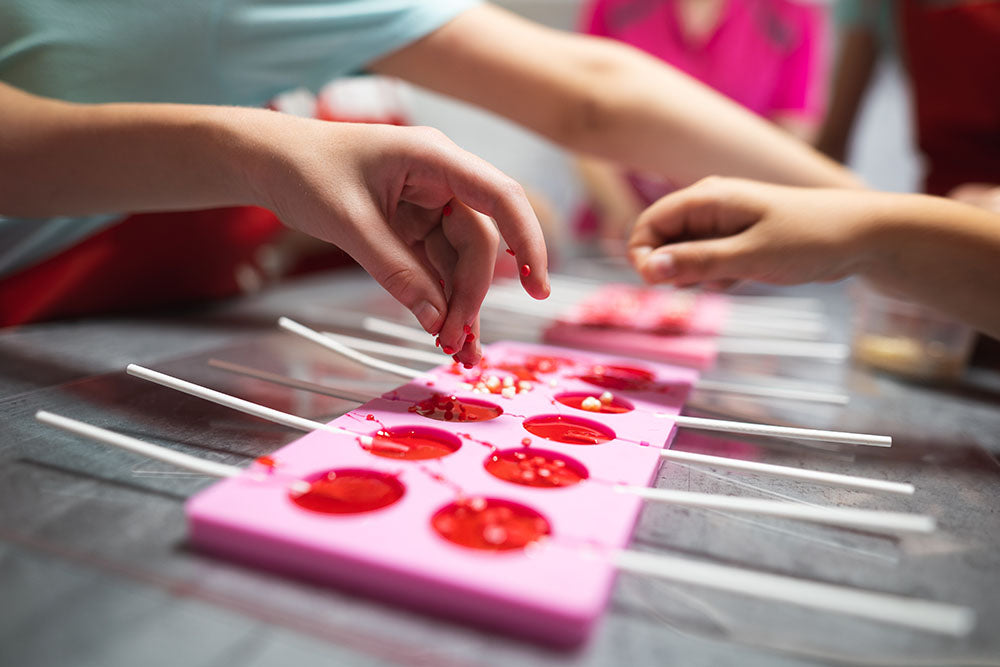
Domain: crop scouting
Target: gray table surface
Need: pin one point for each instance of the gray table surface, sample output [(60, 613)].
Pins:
[(95, 570)]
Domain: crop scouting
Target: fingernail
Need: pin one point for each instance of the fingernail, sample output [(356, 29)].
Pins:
[(660, 266), (427, 315), (639, 254)]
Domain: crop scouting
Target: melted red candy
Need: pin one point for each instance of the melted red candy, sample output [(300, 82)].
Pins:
[(349, 491), (533, 366), (509, 252), (446, 408), (490, 524), (525, 270), (575, 400), (571, 430), (618, 377), (535, 467), (413, 443)]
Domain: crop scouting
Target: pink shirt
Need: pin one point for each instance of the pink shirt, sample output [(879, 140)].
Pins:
[(768, 55)]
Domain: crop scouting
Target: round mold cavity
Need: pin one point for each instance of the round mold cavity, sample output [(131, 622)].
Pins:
[(532, 366), (615, 406), (569, 429), (541, 468), (451, 408), (490, 524), (611, 376), (413, 443), (347, 491)]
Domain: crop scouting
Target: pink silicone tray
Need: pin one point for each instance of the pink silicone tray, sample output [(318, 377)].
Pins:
[(649, 309), (553, 591), (638, 321)]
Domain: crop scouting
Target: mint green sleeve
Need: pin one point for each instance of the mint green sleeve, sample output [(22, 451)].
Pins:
[(268, 46)]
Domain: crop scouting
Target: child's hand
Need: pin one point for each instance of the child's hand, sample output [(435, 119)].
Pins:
[(722, 230), (411, 207)]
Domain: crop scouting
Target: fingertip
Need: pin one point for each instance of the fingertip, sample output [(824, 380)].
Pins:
[(637, 255)]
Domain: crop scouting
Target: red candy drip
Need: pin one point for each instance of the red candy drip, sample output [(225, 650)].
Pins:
[(510, 252), (467, 329), (618, 377), (413, 443), (525, 270), (617, 406), (571, 430), (490, 524), (349, 491), (266, 461), (448, 408), (535, 467), (446, 211)]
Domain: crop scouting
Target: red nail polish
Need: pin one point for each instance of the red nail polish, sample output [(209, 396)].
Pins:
[(469, 338), (448, 349), (446, 211), (468, 366), (510, 252), (455, 358), (525, 270)]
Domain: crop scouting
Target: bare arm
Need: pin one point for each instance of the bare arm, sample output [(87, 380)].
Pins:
[(604, 98), (406, 203), (855, 63), (928, 249)]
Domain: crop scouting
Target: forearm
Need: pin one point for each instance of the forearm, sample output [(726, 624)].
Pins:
[(607, 188), (942, 253), (607, 99), (66, 159)]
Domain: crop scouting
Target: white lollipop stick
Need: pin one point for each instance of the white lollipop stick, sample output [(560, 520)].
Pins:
[(771, 392), (831, 478), (838, 516), (389, 350), (239, 369), (687, 457), (239, 404), (747, 428), (330, 344), (783, 348), (914, 613), (744, 428), (396, 330), (411, 334), (179, 459)]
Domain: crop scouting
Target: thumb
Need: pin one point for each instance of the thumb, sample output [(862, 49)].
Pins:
[(693, 262)]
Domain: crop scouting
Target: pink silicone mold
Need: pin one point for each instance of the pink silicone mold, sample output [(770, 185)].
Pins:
[(457, 539)]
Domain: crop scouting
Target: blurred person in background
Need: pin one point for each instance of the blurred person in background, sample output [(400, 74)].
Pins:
[(768, 55)]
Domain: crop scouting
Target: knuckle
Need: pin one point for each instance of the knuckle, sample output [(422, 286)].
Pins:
[(399, 282)]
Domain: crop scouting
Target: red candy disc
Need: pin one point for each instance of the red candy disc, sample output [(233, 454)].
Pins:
[(443, 407), (348, 491), (535, 467), (490, 524), (413, 443), (618, 377), (571, 430), (575, 399)]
